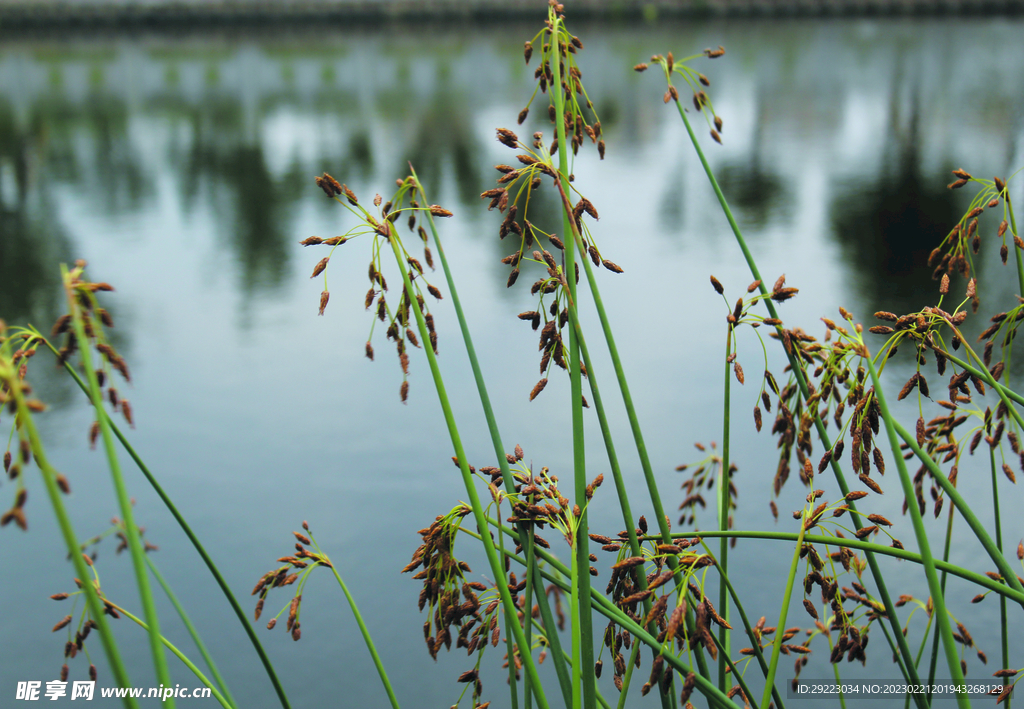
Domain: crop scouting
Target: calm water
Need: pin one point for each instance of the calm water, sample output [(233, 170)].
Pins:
[(181, 168)]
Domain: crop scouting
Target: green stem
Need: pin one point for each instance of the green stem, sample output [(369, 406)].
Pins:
[(961, 505), (367, 639), (582, 546), (622, 494), (798, 373), (1004, 627), (787, 595), (723, 515), (554, 642), (531, 563), (181, 656), (628, 679), (574, 606), (92, 599), (131, 530), (938, 599), (634, 422), (467, 478), (200, 645), (492, 425), (242, 616), (983, 374), (942, 583), (510, 648)]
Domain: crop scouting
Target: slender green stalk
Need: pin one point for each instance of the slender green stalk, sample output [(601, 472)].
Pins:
[(622, 494), (938, 599), (920, 651), (723, 516), (492, 426), (531, 563), (92, 599), (131, 530), (942, 583), (367, 639), (634, 422), (582, 547), (181, 656), (200, 645), (496, 565), (986, 376), (558, 656), (574, 574), (954, 496), (819, 425), (628, 679), (773, 665), (242, 616), (510, 648), (1004, 627)]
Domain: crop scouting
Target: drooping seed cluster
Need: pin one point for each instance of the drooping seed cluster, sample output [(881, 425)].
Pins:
[(704, 474), (955, 254), (452, 601), (383, 232), (653, 605), (297, 568), (696, 81)]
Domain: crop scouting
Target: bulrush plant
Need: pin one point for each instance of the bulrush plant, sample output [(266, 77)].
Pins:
[(657, 615)]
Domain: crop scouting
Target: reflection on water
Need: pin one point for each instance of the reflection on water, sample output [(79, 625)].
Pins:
[(181, 168), (888, 225)]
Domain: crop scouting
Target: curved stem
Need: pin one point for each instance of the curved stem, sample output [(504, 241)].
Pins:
[(787, 595), (961, 505), (938, 598), (368, 640), (131, 530), (181, 656), (200, 645)]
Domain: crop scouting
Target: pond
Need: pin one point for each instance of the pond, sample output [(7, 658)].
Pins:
[(181, 167)]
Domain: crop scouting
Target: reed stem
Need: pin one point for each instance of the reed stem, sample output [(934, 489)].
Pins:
[(200, 645), (787, 595), (582, 545), (131, 530), (938, 598), (181, 656), (723, 516), (364, 631), (496, 565)]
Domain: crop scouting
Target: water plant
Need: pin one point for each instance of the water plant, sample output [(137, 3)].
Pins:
[(663, 578)]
